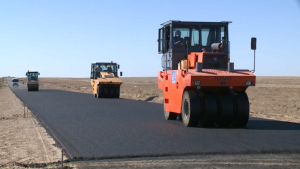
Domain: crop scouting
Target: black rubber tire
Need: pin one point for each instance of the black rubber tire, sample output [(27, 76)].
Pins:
[(225, 109), (112, 92), (99, 92), (169, 115), (210, 110), (37, 89), (95, 95), (190, 109), (242, 110), (117, 92), (30, 88), (105, 92)]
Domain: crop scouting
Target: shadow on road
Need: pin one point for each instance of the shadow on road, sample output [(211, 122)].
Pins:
[(264, 124), (150, 98), (259, 124)]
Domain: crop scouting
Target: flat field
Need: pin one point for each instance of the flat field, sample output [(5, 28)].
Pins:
[(272, 98)]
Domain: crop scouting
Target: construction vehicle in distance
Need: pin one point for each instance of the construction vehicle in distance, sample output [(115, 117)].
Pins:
[(199, 83), (105, 80), (32, 80), (15, 81)]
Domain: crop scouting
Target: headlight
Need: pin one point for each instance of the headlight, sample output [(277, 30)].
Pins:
[(248, 83), (197, 83)]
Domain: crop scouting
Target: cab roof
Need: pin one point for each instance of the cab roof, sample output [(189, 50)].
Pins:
[(105, 62), (178, 21)]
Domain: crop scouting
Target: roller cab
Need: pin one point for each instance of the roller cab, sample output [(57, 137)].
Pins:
[(199, 83)]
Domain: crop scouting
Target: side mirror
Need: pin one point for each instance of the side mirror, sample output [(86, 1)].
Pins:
[(39, 73), (121, 74), (253, 47), (118, 66), (253, 43)]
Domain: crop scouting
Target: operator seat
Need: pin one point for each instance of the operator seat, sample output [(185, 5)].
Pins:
[(109, 69)]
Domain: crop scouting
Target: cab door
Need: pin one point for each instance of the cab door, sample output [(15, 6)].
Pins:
[(161, 40), (92, 70)]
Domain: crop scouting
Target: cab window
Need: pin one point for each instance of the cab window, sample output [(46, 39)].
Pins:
[(32, 76), (195, 37), (183, 33), (212, 34)]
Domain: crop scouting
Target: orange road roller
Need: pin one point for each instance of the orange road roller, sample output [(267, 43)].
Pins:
[(200, 85)]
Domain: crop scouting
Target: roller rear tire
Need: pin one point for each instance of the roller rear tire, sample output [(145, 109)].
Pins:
[(105, 92), (112, 92), (99, 92), (210, 110), (225, 109), (242, 110), (117, 92)]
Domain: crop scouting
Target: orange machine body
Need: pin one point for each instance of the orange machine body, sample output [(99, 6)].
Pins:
[(175, 82)]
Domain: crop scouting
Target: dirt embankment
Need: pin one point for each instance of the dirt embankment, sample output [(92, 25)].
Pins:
[(23, 141), (272, 98)]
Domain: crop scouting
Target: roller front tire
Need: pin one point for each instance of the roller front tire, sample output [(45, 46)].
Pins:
[(190, 109)]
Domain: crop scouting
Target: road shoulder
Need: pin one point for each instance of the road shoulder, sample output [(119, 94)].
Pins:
[(22, 140)]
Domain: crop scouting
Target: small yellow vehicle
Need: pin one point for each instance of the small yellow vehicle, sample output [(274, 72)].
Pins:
[(105, 80)]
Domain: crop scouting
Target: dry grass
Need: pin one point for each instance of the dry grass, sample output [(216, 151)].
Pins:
[(276, 98), (1, 82), (141, 88), (137, 88), (272, 98), (82, 85)]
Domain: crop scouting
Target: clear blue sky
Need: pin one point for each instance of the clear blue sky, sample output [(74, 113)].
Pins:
[(62, 38)]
